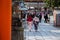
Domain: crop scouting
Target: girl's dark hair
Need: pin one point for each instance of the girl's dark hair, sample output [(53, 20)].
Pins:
[(28, 15)]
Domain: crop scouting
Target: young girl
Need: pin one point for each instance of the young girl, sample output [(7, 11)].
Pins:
[(29, 22)]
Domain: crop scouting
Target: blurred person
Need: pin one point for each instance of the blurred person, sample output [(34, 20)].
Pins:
[(29, 21), (40, 14), (35, 22), (46, 15)]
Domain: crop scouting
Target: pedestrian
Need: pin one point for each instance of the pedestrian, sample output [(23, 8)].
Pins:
[(48, 18), (29, 21), (46, 15), (35, 22), (40, 16)]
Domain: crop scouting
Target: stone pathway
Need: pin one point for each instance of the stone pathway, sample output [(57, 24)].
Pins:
[(45, 31)]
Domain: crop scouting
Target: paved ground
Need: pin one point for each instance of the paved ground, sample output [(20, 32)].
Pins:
[(46, 31)]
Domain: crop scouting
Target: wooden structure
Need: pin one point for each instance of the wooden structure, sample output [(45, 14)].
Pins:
[(17, 23)]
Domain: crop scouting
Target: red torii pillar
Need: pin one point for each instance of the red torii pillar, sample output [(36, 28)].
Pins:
[(5, 19)]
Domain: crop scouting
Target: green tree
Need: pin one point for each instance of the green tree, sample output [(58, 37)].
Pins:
[(52, 3)]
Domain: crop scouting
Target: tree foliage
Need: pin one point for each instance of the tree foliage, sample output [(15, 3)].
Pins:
[(52, 3)]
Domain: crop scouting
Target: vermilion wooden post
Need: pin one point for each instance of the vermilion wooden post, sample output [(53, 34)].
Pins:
[(5, 19)]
